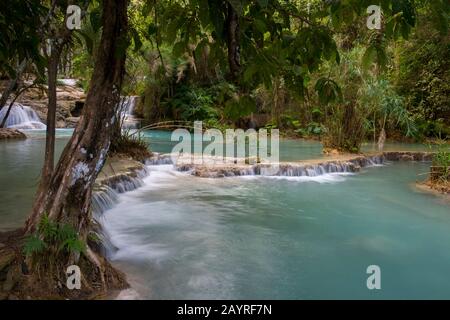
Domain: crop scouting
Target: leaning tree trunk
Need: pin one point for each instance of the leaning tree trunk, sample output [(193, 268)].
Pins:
[(67, 199), (233, 42)]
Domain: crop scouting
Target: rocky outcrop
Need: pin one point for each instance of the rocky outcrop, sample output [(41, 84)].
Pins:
[(289, 169), (119, 175), (408, 156), (6, 133), (211, 168)]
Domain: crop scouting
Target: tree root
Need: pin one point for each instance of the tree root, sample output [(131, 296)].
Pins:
[(20, 280)]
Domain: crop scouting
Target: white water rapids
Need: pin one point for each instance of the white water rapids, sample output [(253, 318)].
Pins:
[(22, 117)]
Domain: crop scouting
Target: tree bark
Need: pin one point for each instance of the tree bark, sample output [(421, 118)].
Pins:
[(67, 199), (52, 74), (233, 42)]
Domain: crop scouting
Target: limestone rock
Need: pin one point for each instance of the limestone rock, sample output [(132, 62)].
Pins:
[(8, 133)]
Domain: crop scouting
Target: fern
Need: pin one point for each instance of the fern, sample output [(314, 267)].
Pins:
[(33, 245), (47, 229), (52, 237), (72, 245)]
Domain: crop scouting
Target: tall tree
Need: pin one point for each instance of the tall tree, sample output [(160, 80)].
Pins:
[(67, 198), (59, 37), (233, 42)]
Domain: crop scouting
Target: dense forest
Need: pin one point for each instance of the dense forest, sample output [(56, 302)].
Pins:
[(311, 68), (297, 65), (181, 63)]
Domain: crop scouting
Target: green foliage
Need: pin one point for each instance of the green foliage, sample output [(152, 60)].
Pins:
[(33, 245), (385, 107), (192, 103), (288, 47), (442, 156), (52, 238), (20, 30), (328, 91), (239, 107), (131, 144), (423, 78), (311, 129), (441, 163)]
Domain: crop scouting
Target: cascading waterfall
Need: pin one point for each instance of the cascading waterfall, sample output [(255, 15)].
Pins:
[(281, 170), (22, 117), (159, 159), (128, 105), (106, 196)]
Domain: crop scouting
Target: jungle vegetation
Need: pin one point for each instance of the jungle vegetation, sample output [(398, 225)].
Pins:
[(311, 68)]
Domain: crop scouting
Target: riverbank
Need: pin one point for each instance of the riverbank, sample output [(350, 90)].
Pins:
[(441, 189)]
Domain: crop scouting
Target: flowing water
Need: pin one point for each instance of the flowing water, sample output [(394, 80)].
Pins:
[(22, 117), (179, 236), (128, 106), (182, 237)]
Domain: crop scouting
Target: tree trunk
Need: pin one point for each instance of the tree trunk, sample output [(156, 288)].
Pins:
[(233, 42), (67, 199), (49, 158), (381, 139)]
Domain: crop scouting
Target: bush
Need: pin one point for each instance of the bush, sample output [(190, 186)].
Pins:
[(441, 165), (132, 145), (442, 157), (423, 78)]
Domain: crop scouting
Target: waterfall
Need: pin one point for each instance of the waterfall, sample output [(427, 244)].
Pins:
[(22, 117), (105, 196), (280, 170), (103, 199), (127, 107), (159, 159)]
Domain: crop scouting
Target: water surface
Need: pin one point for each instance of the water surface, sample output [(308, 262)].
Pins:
[(253, 237), (182, 237)]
